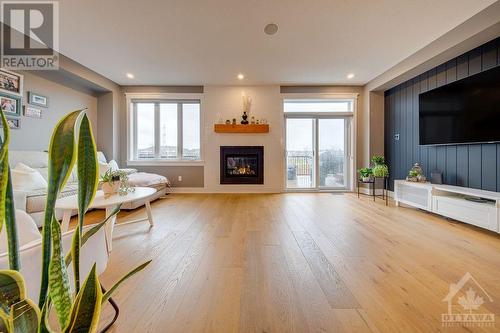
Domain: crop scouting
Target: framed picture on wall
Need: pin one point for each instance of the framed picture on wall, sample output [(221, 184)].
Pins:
[(11, 83), (10, 105), (14, 123), (32, 112), (37, 99)]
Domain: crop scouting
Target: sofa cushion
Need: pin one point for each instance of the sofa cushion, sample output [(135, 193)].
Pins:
[(33, 159), (25, 178), (35, 200), (27, 231)]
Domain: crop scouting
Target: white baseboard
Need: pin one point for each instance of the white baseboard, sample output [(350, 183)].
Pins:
[(221, 191)]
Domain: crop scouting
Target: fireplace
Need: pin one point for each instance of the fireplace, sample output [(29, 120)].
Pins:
[(242, 165)]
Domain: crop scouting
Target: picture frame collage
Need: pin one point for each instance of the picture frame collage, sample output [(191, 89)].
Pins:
[(11, 95)]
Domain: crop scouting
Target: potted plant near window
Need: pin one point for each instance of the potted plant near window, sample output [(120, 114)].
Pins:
[(380, 169), (365, 174)]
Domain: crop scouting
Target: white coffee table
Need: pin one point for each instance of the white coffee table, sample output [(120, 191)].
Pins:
[(110, 203)]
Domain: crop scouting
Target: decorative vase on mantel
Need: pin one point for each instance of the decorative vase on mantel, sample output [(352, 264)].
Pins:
[(244, 117)]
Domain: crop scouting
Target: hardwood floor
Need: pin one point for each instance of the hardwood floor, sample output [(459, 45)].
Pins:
[(295, 263)]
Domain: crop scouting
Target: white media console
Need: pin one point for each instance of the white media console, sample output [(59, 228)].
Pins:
[(452, 202)]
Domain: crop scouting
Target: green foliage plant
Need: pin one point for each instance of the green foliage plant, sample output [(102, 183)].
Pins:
[(72, 143)]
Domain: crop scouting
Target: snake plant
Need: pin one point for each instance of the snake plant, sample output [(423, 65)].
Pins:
[(72, 143)]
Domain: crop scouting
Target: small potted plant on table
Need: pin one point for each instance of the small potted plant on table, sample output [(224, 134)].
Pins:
[(111, 182)]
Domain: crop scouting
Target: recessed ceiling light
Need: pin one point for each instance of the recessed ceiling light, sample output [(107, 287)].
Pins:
[(271, 29), (130, 75), (241, 76), (350, 76)]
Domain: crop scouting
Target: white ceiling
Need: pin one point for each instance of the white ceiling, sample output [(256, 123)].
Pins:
[(183, 42)]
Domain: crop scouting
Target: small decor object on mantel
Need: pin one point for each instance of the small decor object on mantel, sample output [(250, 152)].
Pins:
[(244, 117), (32, 112), (234, 121), (247, 103), (37, 99), (228, 122)]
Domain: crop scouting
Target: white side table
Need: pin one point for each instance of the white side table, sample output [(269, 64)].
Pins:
[(110, 203)]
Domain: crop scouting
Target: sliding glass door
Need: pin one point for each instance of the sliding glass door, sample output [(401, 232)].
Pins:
[(332, 153), (317, 153), (300, 161), (318, 143)]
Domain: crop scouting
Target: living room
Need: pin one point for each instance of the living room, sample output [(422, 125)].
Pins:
[(249, 166)]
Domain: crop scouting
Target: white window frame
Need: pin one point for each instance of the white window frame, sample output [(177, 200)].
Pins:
[(350, 131), (131, 137)]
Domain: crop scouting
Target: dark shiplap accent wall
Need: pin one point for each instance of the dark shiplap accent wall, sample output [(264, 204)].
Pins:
[(474, 165)]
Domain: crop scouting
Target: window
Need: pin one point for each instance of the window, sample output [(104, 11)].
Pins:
[(166, 130), (317, 106)]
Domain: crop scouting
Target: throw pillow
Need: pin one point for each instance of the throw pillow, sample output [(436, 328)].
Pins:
[(113, 165), (27, 179), (26, 230), (103, 168)]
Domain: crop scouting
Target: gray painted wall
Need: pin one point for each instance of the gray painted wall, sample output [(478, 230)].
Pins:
[(475, 165), (105, 118), (35, 134)]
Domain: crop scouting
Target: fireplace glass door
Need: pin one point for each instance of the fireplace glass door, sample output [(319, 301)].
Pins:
[(242, 166)]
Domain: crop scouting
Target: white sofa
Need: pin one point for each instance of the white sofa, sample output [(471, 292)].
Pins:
[(33, 202), (30, 239)]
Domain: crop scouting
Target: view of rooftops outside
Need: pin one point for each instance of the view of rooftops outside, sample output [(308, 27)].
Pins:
[(169, 127)]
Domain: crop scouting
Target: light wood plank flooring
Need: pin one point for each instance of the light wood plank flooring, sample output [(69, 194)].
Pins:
[(294, 263)]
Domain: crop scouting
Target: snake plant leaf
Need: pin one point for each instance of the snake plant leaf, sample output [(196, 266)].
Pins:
[(12, 289), (45, 318), (61, 161), (75, 254), (11, 226), (87, 168), (25, 317), (110, 292), (7, 213), (87, 187), (59, 289), (4, 164), (4, 322), (89, 233), (87, 306)]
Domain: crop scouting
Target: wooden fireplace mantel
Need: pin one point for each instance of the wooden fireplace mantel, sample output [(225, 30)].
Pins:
[(238, 128)]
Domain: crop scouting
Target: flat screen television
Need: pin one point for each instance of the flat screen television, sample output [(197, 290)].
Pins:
[(465, 111)]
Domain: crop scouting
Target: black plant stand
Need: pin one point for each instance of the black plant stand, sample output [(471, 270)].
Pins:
[(373, 188)]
